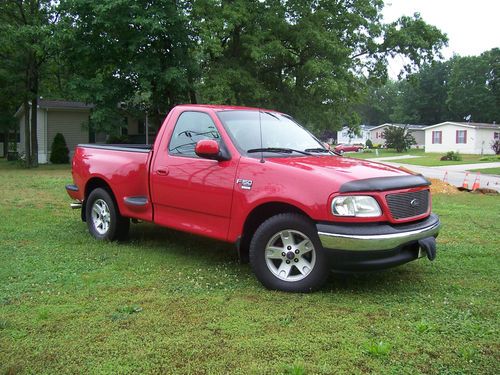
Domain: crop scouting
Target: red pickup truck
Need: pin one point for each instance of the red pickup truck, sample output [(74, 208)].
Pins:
[(256, 178)]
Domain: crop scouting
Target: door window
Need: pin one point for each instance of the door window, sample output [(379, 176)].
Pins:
[(190, 128)]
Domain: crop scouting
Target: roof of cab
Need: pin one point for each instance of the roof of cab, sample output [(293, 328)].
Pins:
[(219, 107)]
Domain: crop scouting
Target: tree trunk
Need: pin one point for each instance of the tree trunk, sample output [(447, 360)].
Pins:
[(27, 133), (6, 142), (34, 138)]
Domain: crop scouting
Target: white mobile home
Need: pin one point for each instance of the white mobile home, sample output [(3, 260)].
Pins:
[(344, 137), (465, 137)]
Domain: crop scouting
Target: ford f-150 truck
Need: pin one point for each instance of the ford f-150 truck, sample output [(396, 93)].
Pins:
[(258, 179)]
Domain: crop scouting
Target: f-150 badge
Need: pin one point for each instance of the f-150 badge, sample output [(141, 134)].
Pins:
[(245, 184)]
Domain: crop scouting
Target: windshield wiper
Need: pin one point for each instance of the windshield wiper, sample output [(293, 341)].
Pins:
[(317, 149), (322, 150), (278, 149)]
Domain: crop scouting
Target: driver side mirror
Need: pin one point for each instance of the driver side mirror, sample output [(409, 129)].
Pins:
[(209, 149)]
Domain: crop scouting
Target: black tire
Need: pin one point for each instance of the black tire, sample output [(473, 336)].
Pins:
[(265, 269), (117, 227)]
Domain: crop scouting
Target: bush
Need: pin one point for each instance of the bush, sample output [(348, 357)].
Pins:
[(369, 143), (495, 146), (398, 138), (59, 152), (117, 139), (451, 155)]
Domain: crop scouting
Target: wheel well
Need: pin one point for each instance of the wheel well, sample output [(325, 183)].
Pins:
[(256, 218), (91, 185)]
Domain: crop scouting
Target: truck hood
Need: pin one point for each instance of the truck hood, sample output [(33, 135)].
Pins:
[(342, 170)]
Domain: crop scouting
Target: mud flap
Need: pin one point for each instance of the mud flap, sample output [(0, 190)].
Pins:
[(429, 246)]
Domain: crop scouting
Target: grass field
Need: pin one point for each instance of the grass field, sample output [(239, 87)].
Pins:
[(167, 302), (428, 159), (487, 170)]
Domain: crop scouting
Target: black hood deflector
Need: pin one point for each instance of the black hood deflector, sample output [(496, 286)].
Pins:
[(384, 183)]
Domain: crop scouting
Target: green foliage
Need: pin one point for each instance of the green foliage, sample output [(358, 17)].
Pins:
[(59, 152), (369, 143), (378, 349), (452, 156), (398, 137), (440, 91)]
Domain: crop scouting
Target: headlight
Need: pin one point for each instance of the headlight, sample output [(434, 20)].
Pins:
[(356, 205)]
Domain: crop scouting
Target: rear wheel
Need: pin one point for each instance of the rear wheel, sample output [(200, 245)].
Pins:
[(103, 218), (286, 254)]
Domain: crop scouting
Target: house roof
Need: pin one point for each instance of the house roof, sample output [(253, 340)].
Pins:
[(57, 104), (410, 126), (472, 125)]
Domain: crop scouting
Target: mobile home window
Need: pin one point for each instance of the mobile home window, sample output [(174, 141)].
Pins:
[(461, 136), (496, 135), (437, 136)]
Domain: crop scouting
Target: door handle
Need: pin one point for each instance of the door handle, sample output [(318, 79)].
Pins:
[(162, 171)]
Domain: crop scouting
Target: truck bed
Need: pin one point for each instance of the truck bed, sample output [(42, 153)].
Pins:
[(125, 170), (119, 147)]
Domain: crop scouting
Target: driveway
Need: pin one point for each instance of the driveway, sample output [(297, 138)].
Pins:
[(457, 173)]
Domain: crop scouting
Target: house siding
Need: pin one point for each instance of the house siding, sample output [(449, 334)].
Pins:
[(72, 124), (477, 140)]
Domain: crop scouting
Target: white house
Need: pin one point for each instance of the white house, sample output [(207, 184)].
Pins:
[(465, 137), (344, 137), (376, 133)]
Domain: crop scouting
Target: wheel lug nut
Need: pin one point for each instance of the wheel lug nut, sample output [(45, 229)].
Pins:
[(287, 262), (289, 247), (297, 251), (283, 254), (296, 260)]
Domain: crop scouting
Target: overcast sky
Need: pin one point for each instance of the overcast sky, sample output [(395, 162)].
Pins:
[(472, 26)]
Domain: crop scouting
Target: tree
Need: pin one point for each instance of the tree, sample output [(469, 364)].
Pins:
[(310, 59), (26, 33), (474, 87), (120, 50), (398, 137)]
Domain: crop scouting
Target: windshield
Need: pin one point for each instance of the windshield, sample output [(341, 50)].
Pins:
[(278, 131)]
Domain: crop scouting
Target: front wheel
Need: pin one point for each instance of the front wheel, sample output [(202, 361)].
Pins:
[(286, 254), (103, 218)]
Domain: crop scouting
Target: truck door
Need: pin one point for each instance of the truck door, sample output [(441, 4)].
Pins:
[(188, 192)]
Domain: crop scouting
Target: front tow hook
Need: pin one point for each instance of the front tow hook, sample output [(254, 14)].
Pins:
[(429, 245)]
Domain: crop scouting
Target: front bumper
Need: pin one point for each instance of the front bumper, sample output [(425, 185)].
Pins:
[(376, 246)]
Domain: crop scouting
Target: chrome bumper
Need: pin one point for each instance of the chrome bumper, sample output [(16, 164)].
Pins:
[(388, 237)]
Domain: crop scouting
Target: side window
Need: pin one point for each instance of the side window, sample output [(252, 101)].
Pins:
[(190, 128)]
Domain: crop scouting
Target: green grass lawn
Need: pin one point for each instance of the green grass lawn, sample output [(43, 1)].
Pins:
[(167, 302), (487, 170), (426, 158)]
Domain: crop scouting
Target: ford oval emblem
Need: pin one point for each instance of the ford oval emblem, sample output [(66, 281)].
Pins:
[(415, 202)]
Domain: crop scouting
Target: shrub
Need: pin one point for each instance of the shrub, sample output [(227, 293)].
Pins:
[(117, 139), (495, 146), (369, 143), (398, 138), (59, 152), (451, 155)]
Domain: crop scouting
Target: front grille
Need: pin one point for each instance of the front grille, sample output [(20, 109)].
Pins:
[(405, 205)]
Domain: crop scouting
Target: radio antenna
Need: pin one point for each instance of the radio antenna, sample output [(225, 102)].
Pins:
[(260, 130)]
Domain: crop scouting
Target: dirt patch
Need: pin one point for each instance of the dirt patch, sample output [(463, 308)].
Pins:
[(440, 187)]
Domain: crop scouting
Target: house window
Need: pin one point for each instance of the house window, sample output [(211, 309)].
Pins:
[(496, 136), (437, 137), (461, 136)]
